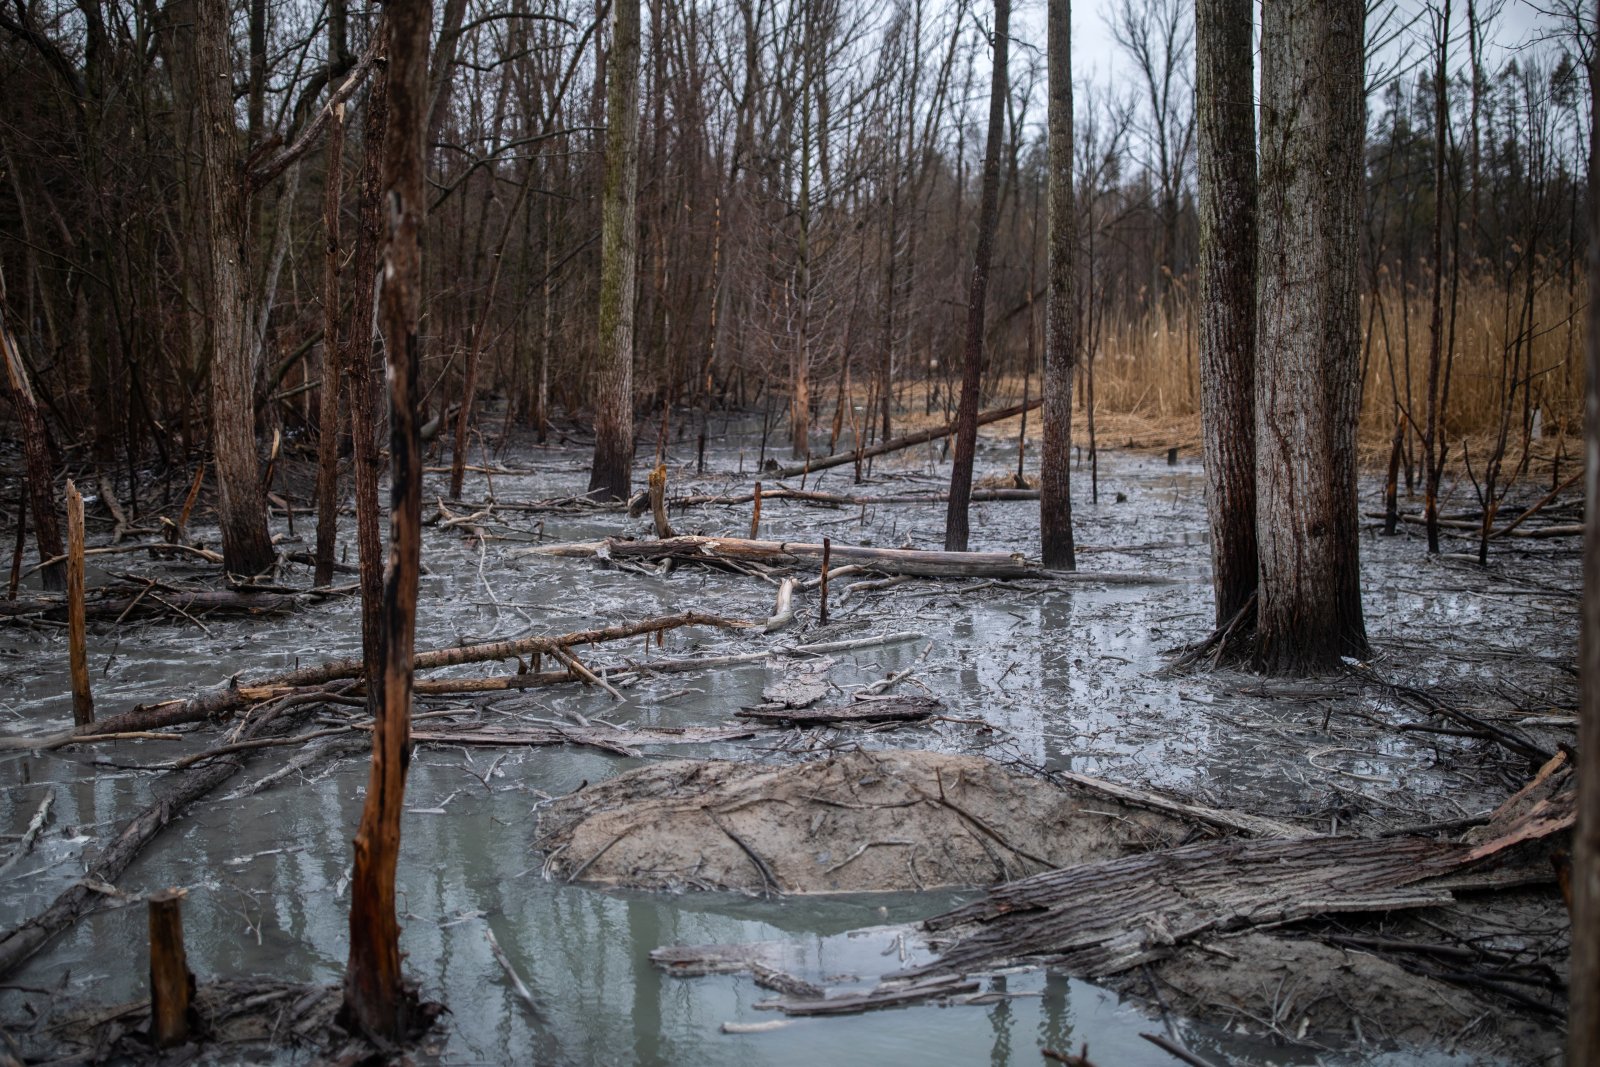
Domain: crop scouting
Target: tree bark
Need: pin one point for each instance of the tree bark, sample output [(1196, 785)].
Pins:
[(1225, 101), (1308, 339), (328, 422), (611, 477), (375, 996), (241, 503), (1061, 308), (171, 981), (1583, 1020), (955, 523), (355, 359)]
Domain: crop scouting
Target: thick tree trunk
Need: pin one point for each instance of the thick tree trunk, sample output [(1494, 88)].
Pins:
[(1226, 118), (328, 422), (955, 523), (241, 503), (1061, 308), (361, 390), (1583, 1021), (611, 477), (1308, 342), (375, 996)]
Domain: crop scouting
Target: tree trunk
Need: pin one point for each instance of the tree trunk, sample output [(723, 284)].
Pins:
[(328, 422), (1308, 339), (361, 391), (36, 449), (611, 477), (1432, 469), (1226, 119), (1061, 308), (955, 523), (1583, 1021), (375, 997), (241, 504)]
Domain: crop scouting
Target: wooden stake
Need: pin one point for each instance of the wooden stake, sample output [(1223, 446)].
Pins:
[(755, 513), (827, 553), (77, 653), (171, 983), (658, 501)]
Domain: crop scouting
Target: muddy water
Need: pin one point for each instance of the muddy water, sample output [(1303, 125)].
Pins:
[(1065, 678)]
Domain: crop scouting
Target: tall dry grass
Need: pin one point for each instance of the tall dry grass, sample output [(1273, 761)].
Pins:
[(1511, 365)]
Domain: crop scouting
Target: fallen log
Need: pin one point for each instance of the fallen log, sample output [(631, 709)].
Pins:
[(309, 680), (226, 601), (921, 563), (894, 709), (622, 742), (845, 500), (839, 459)]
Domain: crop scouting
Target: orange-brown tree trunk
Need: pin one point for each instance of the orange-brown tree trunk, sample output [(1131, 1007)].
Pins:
[(375, 996)]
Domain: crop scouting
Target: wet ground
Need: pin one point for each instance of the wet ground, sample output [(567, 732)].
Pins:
[(1062, 677)]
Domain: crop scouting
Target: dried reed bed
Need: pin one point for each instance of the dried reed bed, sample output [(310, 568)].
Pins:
[(1512, 366)]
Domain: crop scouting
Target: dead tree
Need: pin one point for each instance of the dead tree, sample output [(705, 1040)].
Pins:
[(241, 502), (611, 477), (328, 423), (355, 361), (1308, 341), (1225, 101), (36, 450), (1438, 392), (955, 523), (1583, 1020), (375, 997), (1061, 309)]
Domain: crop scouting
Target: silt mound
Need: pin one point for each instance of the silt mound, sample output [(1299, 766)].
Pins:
[(855, 822)]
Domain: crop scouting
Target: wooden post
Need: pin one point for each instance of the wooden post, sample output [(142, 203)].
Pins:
[(827, 553), (755, 514), (77, 653), (658, 501), (171, 983)]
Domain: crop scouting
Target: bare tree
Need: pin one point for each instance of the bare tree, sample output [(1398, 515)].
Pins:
[(1061, 309), (955, 523), (611, 476), (1158, 35), (1225, 102), (1308, 340)]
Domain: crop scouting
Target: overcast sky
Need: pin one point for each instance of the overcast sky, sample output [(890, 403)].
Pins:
[(1096, 57)]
